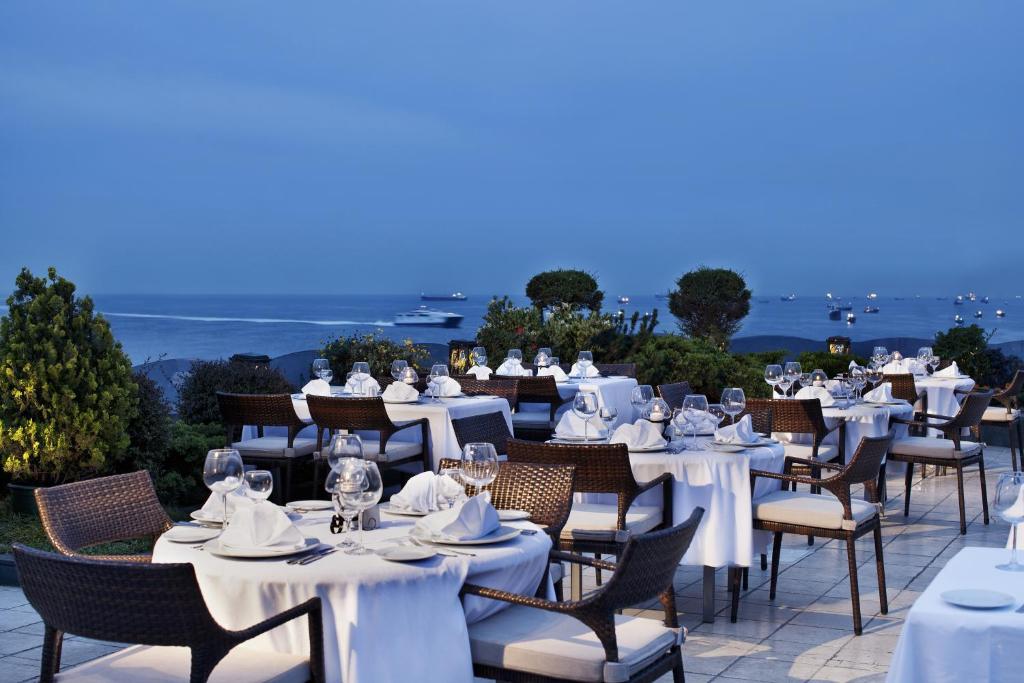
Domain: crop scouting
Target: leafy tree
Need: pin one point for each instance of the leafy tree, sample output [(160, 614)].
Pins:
[(507, 326), (67, 394), (573, 288), (968, 346), (197, 396), (377, 350), (831, 364), (710, 303)]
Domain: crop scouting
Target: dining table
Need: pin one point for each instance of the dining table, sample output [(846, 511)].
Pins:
[(859, 419), (943, 395), (382, 620), (613, 391)]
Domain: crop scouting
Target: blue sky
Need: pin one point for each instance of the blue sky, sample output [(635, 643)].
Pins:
[(401, 146)]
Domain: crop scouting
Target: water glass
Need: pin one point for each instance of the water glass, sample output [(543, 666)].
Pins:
[(515, 355), (438, 376), (361, 488), (585, 406), (456, 476), (479, 356), (880, 355), (361, 372), (397, 368), (792, 373), (479, 465), (1009, 504), (343, 446), (773, 376), (259, 484), (695, 407), (858, 378), (734, 402), (319, 365), (585, 360), (543, 357), (222, 473), (327, 375), (410, 376), (818, 377), (608, 415)]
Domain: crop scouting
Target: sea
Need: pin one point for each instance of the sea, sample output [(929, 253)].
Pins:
[(151, 327)]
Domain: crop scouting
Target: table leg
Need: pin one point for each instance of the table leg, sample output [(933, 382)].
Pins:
[(709, 595)]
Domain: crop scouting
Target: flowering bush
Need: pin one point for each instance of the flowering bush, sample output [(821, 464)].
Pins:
[(506, 326), (378, 351)]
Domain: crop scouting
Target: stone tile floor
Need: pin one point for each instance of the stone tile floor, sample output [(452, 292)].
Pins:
[(806, 634)]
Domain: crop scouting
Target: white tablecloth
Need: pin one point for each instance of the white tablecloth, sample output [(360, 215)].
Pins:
[(614, 392), (942, 397), (383, 621), (863, 419), (941, 643)]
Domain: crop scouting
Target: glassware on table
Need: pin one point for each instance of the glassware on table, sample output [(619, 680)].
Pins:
[(608, 415), (584, 405), (1009, 504), (478, 356), (773, 376), (933, 363), (361, 371), (585, 359), (640, 396), (805, 379), (543, 357), (734, 402), (456, 476), (858, 378), (874, 374), (515, 355), (924, 354), (880, 355), (554, 362), (657, 410), (327, 375), (438, 373), (319, 365), (694, 408), (346, 514), (397, 368), (410, 376), (259, 484), (223, 473), (479, 464), (818, 377), (362, 497), (717, 411), (792, 373), (343, 446)]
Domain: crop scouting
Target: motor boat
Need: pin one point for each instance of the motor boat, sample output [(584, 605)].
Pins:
[(833, 312), (623, 299), (1000, 313), (959, 300), (872, 296), (850, 318), (428, 317), (454, 296), (661, 295), (971, 296), (871, 309), (978, 313), (958, 319), (984, 299), (791, 297)]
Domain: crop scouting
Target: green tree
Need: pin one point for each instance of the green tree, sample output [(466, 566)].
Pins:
[(968, 346), (197, 396), (710, 303), (375, 349), (507, 326), (67, 393), (670, 358), (573, 288)]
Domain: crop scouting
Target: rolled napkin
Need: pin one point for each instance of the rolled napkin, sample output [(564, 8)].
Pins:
[(400, 391), (259, 526), (820, 393), (880, 394), (480, 372), (474, 518), (576, 371), (360, 383), (740, 433), (555, 371), (642, 434), (513, 368), (570, 426), (419, 494), (444, 386), (317, 387), (214, 505), (951, 371), (706, 423)]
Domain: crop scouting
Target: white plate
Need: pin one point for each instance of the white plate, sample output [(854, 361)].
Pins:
[(309, 505), (205, 518), (648, 449), (411, 400), (726, 447), (391, 510), (977, 598), (216, 548), (950, 378), (512, 515), (884, 403), (753, 444), (499, 535), (407, 553), (579, 437), (184, 533)]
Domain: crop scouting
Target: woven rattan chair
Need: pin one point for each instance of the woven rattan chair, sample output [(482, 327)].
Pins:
[(609, 369), (1007, 414), (760, 412), (93, 511), (540, 641), (600, 528), (951, 451), (674, 393), (839, 516), (536, 424), (504, 388), (804, 416), (160, 607), (279, 454), (483, 428)]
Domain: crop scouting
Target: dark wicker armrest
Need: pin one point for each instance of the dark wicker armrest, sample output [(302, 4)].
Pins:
[(792, 459), (311, 607), (405, 424), (947, 418), (516, 599), (561, 556), (810, 481), (917, 423), (665, 478)]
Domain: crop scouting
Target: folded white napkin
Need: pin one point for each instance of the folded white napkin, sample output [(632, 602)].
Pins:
[(480, 372), (706, 423), (575, 371), (513, 368), (951, 371), (257, 526), (820, 393), (213, 508), (317, 387), (425, 491), (853, 364), (474, 518), (903, 366), (444, 386), (361, 382), (880, 394), (399, 391), (570, 426), (740, 433), (641, 434), (555, 371)]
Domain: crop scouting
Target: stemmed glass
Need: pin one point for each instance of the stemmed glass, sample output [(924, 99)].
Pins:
[(343, 446), (805, 379), (1009, 504), (924, 354), (694, 406), (608, 414), (874, 374), (332, 485), (397, 368), (455, 474), (656, 410), (933, 363), (818, 377), (543, 357), (223, 473), (584, 360), (792, 373), (880, 355), (773, 375), (361, 371), (319, 365), (516, 356), (327, 375), (554, 362), (858, 378), (259, 484), (410, 376), (717, 412), (479, 356), (734, 402), (438, 375), (640, 396), (361, 487), (585, 406), (479, 465)]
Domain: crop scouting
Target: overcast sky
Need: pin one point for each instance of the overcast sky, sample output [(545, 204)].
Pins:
[(400, 146)]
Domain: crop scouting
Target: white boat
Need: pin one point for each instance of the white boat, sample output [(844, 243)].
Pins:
[(872, 296), (428, 317), (959, 300), (851, 318), (791, 297), (958, 319), (454, 296), (978, 313), (623, 299), (1000, 313)]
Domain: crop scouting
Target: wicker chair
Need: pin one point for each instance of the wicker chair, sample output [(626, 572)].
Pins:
[(483, 428), (279, 454), (804, 416), (600, 528), (674, 393), (537, 640), (535, 424), (841, 517), (625, 369), (158, 606), (760, 412), (504, 388), (94, 511), (948, 452), (1007, 414)]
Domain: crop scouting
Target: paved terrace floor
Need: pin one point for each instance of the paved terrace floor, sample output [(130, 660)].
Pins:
[(806, 634)]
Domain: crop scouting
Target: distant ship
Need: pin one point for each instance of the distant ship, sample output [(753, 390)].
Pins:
[(958, 319), (661, 296), (871, 309), (833, 312), (623, 299), (1000, 313), (959, 300), (984, 299), (971, 296), (428, 317), (454, 296), (850, 318), (978, 313), (872, 296), (791, 297)]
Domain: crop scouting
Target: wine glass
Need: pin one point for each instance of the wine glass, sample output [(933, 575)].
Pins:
[(361, 497), (640, 396), (350, 484), (361, 373), (880, 355), (773, 375), (585, 360), (397, 368), (695, 406), (455, 474), (515, 355), (479, 465), (858, 378), (584, 405), (734, 402), (319, 365), (331, 486), (933, 363), (222, 474), (343, 446), (608, 415), (792, 372), (805, 379), (717, 413), (259, 484), (543, 357), (1009, 504), (479, 356), (923, 354), (554, 362), (438, 376), (874, 374), (818, 377), (410, 376)]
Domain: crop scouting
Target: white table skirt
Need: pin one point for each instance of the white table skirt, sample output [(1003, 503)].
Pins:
[(383, 621), (614, 392), (941, 643), (942, 397), (861, 420)]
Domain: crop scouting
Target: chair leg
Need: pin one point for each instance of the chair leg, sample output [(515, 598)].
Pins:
[(746, 578), (559, 597), (576, 581), (764, 561), (735, 573), (50, 661), (883, 596), (776, 553), (984, 487), (1014, 437), (906, 488), (851, 556), (883, 494), (597, 571), (960, 498), (677, 671)]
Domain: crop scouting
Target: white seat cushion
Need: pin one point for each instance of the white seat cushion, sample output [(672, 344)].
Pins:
[(540, 642), (394, 450), (599, 521), (808, 509), (826, 451), (160, 664), (932, 447), (999, 414), (274, 445), (536, 419)]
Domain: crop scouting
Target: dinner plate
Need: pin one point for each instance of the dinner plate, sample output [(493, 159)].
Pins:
[(512, 515), (977, 598), (648, 449), (410, 400), (216, 548), (391, 510), (309, 505), (205, 518), (499, 535), (726, 447), (579, 437), (187, 533), (406, 553)]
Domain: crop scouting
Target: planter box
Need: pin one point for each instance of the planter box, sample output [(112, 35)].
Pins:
[(23, 499)]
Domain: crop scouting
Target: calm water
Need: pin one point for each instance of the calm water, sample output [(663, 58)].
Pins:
[(177, 326)]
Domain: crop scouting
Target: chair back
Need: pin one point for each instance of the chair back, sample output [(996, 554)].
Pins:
[(260, 410), (971, 412), (903, 386), (538, 390), (484, 428), (364, 413), (626, 369), (799, 416), (760, 412), (1009, 396), (600, 468), (866, 462), (93, 511), (504, 388), (674, 393)]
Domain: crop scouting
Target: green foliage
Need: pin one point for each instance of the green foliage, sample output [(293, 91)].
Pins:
[(378, 351), (568, 332), (506, 326), (831, 364), (66, 388), (620, 343), (149, 430), (710, 303), (968, 346), (178, 471), (197, 397), (573, 288)]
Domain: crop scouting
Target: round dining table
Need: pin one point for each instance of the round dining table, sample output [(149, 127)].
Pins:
[(943, 395), (382, 620), (862, 419)]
